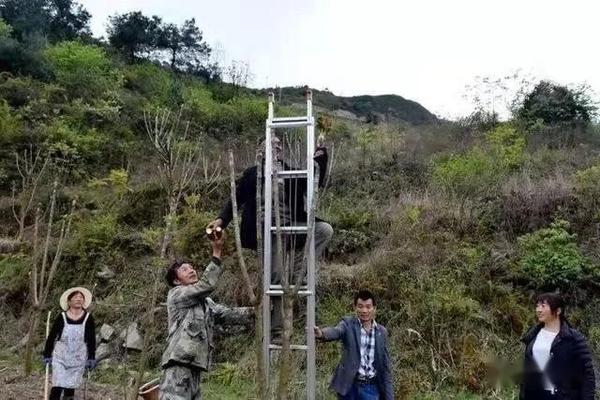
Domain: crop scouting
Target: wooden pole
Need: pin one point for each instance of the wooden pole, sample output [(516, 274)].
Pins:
[(47, 365)]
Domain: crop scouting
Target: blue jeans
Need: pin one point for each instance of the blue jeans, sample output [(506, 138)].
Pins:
[(361, 391)]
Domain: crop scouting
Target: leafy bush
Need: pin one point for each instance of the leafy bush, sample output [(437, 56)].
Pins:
[(153, 82), (507, 146), (84, 70), (75, 148), (94, 235), (10, 125), (14, 274), (550, 103), (550, 256), (466, 174)]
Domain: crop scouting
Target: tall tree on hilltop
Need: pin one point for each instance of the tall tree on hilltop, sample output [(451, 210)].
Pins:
[(134, 34), (184, 45), (68, 21), (57, 20)]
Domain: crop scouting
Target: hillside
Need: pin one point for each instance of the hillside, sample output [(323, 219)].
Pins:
[(383, 108)]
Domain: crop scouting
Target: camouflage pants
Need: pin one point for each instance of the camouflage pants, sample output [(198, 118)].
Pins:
[(180, 383)]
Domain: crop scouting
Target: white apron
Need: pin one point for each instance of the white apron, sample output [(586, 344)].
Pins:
[(69, 355)]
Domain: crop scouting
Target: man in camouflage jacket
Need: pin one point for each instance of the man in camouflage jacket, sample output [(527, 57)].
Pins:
[(191, 316)]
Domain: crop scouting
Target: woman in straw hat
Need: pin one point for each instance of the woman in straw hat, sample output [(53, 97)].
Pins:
[(71, 344)]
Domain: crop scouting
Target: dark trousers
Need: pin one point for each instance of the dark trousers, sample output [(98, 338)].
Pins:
[(56, 391), (361, 391)]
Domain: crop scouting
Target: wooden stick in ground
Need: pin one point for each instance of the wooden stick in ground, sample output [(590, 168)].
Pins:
[(258, 317), (287, 300), (47, 365), (236, 226)]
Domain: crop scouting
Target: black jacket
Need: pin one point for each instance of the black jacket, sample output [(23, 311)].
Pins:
[(570, 368), (245, 193)]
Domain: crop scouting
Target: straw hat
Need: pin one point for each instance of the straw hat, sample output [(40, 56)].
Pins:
[(87, 296)]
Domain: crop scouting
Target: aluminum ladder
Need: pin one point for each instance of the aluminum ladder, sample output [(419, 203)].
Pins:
[(270, 290)]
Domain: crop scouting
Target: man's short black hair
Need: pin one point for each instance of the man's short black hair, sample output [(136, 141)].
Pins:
[(554, 301), (364, 295), (171, 273)]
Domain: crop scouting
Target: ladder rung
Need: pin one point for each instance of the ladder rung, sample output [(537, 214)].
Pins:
[(293, 347), (301, 173), (280, 293), (290, 124), (290, 119), (290, 229), (280, 287)]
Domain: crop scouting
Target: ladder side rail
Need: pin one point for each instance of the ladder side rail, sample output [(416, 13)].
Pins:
[(310, 300), (268, 202)]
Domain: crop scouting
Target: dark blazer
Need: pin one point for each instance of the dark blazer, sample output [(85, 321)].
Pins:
[(245, 193), (570, 368), (348, 332)]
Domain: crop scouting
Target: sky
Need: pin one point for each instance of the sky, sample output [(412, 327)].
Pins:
[(426, 50)]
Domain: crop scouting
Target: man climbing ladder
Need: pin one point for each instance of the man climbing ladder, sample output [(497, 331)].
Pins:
[(294, 203)]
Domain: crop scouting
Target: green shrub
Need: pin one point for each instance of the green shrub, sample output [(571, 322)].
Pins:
[(144, 205), (10, 125), (449, 301), (507, 146), (94, 235), (85, 70), (467, 174), (550, 256), (153, 82), (14, 273), (72, 147)]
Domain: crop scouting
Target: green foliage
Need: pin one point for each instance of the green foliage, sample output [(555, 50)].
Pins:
[(10, 125), (190, 237), (154, 83), (550, 256), (133, 34), (184, 45), (449, 301), (551, 104), (94, 235), (144, 206), (14, 273), (58, 20), (478, 170), (5, 30), (85, 70), (587, 190), (467, 174), (507, 146), (110, 189), (240, 115), (72, 148)]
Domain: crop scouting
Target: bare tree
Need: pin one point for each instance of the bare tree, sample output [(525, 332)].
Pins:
[(255, 300), (31, 168), (44, 268), (179, 160), (239, 73), (290, 292)]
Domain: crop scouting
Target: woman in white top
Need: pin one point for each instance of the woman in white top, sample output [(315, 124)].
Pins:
[(557, 362)]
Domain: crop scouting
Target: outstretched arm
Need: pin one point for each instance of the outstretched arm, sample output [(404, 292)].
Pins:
[(329, 334)]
